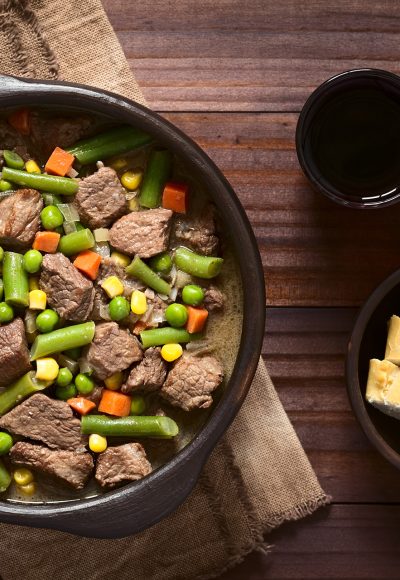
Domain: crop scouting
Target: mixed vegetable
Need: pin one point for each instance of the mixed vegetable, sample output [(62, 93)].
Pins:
[(106, 269)]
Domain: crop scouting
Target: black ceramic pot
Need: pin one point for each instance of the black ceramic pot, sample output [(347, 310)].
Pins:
[(137, 506)]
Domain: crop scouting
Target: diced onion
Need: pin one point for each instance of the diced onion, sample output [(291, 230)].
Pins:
[(158, 317), (69, 212), (147, 315), (99, 164), (172, 275), (131, 195), (182, 279), (103, 249), (7, 193), (101, 235), (149, 293), (30, 321), (72, 173), (173, 294), (104, 312), (163, 297), (69, 227)]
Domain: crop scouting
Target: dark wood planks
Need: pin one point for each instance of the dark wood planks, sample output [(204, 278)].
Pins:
[(314, 252), (304, 349), (258, 56), (337, 543)]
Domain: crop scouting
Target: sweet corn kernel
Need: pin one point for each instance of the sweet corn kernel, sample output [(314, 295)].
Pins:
[(37, 300), (113, 286), (23, 476), (97, 443), (120, 259), (28, 489), (33, 283), (171, 352), (114, 382), (133, 204), (119, 164), (46, 369), (132, 179), (138, 302), (32, 167)]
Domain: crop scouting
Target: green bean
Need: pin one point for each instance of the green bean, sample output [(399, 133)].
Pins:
[(157, 173), (40, 181), (19, 390), (140, 270), (15, 280), (165, 335), (112, 142), (197, 265), (132, 426), (13, 160), (5, 478), (51, 199), (76, 242), (63, 339)]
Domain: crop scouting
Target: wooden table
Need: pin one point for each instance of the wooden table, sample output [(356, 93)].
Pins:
[(234, 74)]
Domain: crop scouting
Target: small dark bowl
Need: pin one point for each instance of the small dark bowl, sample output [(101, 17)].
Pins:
[(368, 340), (137, 506), (367, 78)]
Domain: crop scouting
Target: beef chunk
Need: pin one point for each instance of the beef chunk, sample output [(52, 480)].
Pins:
[(14, 353), (47, 420), (191, 381), (68, 291), (100, 312), (144, 233), (198, 232), (11, 139), (100, 199), (113, 349), (48, 133), (149, 375), (20, 218), (95, 395), (214, 299), (122, 464), (71, 467)]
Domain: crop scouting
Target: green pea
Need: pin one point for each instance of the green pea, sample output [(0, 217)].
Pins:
[(66, 392), (84, 384), (51, 217), (138, 405), (192, 295), (6, 442), (64, 377), (32, 261), (176, 315), (5, 185), (161, 263), (47, 320), (13, 160), (6, 312), (73, 353), (119, 308)]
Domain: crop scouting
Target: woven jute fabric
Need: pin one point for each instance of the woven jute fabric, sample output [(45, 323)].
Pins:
[(257, 477)]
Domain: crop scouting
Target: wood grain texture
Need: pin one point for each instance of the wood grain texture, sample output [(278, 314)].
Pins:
[(304, 350), (314, 252), (337, 543), (233, 55)]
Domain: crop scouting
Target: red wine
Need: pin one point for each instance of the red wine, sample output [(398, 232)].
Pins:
[(349, 138)]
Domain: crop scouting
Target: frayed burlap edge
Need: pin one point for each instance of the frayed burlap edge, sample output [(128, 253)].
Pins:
[(11, 13)]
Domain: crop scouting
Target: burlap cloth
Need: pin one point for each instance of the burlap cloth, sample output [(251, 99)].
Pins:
[(257, 477)]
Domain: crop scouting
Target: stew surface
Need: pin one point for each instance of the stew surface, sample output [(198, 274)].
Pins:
[(120, 305)]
